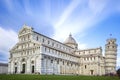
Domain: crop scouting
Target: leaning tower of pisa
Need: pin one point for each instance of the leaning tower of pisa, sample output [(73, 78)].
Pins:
[(110, 56)]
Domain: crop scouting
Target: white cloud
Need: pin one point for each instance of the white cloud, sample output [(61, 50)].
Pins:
[(97, 6), (9, 4), (28, 8), (67, 12), (82, 46), (79, 17), (85, 18), (8, 38)]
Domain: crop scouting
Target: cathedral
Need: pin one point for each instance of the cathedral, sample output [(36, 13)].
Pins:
[(36, 53)]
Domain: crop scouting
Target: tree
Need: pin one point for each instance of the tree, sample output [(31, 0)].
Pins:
[(118, 72)]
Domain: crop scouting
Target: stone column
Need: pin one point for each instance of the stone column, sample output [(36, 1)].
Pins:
[(44, 66), (38, 64), (55, 67), (58, 67), (19, 65), (12, 66), (47, 65), (51, 71), (28, 66), (9, 67), (41, 49)]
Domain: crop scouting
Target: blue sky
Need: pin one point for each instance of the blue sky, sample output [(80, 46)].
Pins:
[(89, 21)]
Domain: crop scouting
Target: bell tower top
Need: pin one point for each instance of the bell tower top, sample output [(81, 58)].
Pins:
[(111, 44), (111, 41)]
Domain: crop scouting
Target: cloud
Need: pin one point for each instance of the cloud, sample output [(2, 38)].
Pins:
[(67, 12), (28, 8), (8, 38), (9, 5), (82, 46), (96, 6), (77, 17), (81, 20)]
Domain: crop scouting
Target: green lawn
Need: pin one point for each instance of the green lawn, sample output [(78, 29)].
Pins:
[(55, 77)]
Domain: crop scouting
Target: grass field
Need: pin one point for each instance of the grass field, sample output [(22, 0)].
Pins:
[(55, 77)]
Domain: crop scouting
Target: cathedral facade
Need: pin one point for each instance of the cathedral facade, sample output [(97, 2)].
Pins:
[(37, 53)]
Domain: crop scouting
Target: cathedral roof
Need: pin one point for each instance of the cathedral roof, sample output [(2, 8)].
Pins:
[(70, 40)]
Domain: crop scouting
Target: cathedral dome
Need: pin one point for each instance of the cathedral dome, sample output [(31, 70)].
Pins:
[(70, 40)]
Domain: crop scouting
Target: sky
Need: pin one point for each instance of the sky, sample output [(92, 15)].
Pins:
[(89, 21)]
